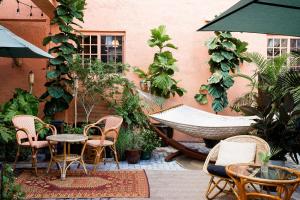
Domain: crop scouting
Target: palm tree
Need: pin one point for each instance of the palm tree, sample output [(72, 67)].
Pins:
[(265, 76)]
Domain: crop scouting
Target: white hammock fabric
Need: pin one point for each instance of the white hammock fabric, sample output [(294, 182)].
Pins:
[(198, 123)]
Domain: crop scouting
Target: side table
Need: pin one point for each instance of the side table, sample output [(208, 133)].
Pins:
[(67, 159)]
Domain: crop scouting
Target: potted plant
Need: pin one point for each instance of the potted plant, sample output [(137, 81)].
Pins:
[(133, 150), (149, 142)]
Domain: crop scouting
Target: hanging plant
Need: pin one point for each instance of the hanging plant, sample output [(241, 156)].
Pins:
[(66, 45), (226, 54), (161, 71)]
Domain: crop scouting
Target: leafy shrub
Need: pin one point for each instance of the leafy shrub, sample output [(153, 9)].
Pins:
[(161, 71), (150, 140), (226, 54), (10, 190)]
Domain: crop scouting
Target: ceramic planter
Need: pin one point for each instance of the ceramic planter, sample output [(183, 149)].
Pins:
[(133, 156)]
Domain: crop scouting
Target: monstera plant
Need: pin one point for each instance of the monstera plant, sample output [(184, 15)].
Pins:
[(226, 54), (67, 44), (161, 71)]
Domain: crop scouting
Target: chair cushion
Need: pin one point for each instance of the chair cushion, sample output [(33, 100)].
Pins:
[(36, 144), (97, 143), (236, 152), (217, 170)]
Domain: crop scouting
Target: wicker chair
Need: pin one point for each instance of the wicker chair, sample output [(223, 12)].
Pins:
[(27, 136), (108, 138), (218, 185)]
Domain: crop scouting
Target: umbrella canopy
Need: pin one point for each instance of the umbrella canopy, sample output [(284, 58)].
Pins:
[(15, 47), (259, 16)]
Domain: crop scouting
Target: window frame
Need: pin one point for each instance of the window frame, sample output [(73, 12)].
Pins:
[(100, 34)]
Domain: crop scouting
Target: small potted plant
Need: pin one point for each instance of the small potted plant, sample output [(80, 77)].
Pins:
[(149, 142), (265, 158), (133, 150)]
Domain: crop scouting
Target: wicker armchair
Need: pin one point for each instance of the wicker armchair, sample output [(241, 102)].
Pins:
[(108, 137), (27, 136), (218, 185)]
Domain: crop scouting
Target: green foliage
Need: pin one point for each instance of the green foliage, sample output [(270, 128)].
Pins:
[(22, 103), (226, 54), (266, 156), (265, 76), (73, 130), (150, 140), (161, 71), (10, 190), (67, 43)]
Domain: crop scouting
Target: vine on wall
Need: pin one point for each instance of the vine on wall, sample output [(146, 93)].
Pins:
[(226, 54), (66, 45)]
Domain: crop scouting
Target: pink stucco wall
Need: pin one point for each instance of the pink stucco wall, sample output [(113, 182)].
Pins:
[(182, 18), (135, 18)]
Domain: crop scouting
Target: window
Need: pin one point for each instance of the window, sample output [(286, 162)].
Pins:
[(105, 47), (279, 46)]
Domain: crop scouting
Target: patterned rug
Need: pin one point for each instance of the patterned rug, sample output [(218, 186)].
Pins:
[(120, 183)]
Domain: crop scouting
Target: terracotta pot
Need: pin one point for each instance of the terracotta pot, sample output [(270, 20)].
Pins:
[(133, 156)]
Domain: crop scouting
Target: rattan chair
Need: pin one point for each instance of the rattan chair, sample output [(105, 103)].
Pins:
[(108, 138), (218, 185), (28, 137)]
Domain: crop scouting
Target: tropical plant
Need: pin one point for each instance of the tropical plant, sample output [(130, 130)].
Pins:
[(276, 123), (9, 189), (265, 76), (98, 81), (134, 139), (67, 43), (22, 103), (160, 72), (266, 156), (122, 142), (150, 140), (226, 53)]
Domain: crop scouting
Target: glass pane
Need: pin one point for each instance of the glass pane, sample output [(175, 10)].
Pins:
[(120, 39), (119, 58), (284, 42), (94, 39), (108, 41), (276, 42), (270, 52), (119, 50), (86, 39), (94, 49), (93, 57), (283, 51), (276, 51), (111, 58), (86, 49), (111, 50), (270, 42), (103, 39), (104, 50), (104, 58), (293, 43), (86, 56), (298, 43)]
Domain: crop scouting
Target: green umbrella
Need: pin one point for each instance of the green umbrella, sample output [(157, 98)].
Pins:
[(281, 17), (15, 47)]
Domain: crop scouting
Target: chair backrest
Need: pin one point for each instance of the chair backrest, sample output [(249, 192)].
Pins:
[(112, 122), (261, 146), (24, 122)]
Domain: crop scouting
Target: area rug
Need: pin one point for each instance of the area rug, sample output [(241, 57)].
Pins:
[(120, 184)]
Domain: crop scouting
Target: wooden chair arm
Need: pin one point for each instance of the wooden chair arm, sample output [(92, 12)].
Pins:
[(27, 133), (114, 130), (88, 127), (45, 125)]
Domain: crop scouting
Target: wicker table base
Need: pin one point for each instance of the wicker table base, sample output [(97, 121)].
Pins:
[(65, 160)]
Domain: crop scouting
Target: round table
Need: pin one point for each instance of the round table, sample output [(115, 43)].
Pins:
[(67, 159), (273, 182)]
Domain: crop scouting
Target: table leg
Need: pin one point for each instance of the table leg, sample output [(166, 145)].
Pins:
[(81, 158), (64, 167)]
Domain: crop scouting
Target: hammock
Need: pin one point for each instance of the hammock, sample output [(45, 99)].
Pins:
[(195, 122), (198, 123)]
